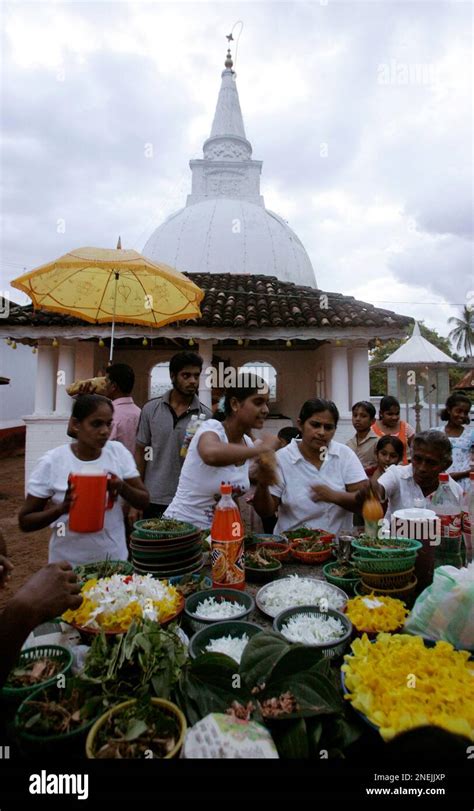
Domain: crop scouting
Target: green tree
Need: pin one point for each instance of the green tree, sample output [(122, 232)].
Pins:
[(378, 377), (462, 334)]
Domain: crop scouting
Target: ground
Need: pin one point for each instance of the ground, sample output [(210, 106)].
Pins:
[(27, 552)]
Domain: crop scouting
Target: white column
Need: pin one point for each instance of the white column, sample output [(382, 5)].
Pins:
[(205, 392), (340, 379), (45, 379), (65, 376), (84, 368), (360, 381)]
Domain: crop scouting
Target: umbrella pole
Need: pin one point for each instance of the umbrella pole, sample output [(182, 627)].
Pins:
[(113, 320)]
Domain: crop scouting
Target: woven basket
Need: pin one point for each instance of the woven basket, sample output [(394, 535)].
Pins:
[(64, 655), (311, 558), (383, 565), (402, 548), (405, 594), (392, 580)]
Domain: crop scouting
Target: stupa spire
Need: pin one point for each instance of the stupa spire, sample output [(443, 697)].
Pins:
[(228, 121)]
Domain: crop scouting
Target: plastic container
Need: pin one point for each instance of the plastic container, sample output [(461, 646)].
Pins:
[(165, 706), (196, 623), (447, 508), (91, 500), (64, 655), (227, 543), (233, 628)]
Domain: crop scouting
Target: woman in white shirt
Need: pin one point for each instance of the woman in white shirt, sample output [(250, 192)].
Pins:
[(307, 464), (49, 498), (220, 452)]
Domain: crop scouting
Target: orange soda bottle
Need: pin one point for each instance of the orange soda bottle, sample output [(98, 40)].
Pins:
[(227, 543)]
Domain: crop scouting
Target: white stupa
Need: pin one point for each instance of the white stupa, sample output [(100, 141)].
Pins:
[(225, 227)]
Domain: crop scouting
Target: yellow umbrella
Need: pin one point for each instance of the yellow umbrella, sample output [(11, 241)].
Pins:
[(106, 285)]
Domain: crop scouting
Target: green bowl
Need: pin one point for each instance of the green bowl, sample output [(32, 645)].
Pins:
[(233, 628), (19, 694), (403, 547), (383, 565), (181, 531), (58, 743), (345, 583)]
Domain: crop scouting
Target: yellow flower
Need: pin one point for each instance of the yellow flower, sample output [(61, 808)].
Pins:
[(374, 614), (399, 683)]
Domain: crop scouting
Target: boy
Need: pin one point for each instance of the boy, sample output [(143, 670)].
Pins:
[(365, 439)]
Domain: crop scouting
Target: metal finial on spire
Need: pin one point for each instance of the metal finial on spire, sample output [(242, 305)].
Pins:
[(228, 62)]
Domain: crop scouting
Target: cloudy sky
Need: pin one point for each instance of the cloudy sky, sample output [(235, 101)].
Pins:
[(360, 111)]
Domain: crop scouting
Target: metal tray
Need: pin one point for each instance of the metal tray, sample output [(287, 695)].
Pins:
[(264, 589)]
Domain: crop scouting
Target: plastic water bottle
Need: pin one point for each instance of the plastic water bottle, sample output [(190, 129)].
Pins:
[(227, 543), (190, 431), (468, 518), (448, 509)]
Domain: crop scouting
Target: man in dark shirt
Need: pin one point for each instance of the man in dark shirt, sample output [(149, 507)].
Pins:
[(161, 431)]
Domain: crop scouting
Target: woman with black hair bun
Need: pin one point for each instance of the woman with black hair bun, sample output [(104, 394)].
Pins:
[(461, 436), (49, 497)]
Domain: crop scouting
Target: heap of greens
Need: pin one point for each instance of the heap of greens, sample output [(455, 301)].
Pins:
[(147, 659), (136, 730)]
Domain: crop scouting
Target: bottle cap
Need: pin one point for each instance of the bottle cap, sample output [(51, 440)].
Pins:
[(471, 475), (444, 477), (226, 489)]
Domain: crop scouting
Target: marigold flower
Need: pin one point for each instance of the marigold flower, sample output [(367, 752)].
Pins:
[(374, 614), (399, 683)]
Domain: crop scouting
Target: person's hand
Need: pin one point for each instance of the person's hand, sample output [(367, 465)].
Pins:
[(321, 492), (69, 499), (49, 593), (6, 568), (268, 442), (133, 516), (266, 473), (114, 486)]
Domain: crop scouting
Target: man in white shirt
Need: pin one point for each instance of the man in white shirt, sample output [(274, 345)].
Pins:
[(402, 484)]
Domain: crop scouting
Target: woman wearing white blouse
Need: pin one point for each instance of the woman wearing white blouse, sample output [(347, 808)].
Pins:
[(308, 465)]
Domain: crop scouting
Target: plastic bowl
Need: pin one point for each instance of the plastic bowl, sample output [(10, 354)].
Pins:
[(166, 706), (328, 649), (280, 550), (19, 694), (310, 558), (58, 743), (245, 601), (256, 575), (346, 583), (233, 628)]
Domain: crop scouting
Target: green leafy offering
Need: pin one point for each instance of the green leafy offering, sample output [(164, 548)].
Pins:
[(291, 688), (146, 658), (306, 532), (260, 559), (104, 568), (137, 730), (163, 525), (33, 672), (188, 585)]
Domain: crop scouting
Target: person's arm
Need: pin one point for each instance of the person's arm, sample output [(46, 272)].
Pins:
[(140, 459), (132, 490), (460, 474), (6, 567), (34, 515), (347, 499), (263, 502), (47, 594), (215, 453)]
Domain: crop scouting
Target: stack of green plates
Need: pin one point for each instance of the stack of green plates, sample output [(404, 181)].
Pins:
[(166, 557)]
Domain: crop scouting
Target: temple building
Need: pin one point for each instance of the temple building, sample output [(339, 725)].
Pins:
[(262, 306)]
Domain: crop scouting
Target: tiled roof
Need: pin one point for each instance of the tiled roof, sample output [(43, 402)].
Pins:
[(253, 302)]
